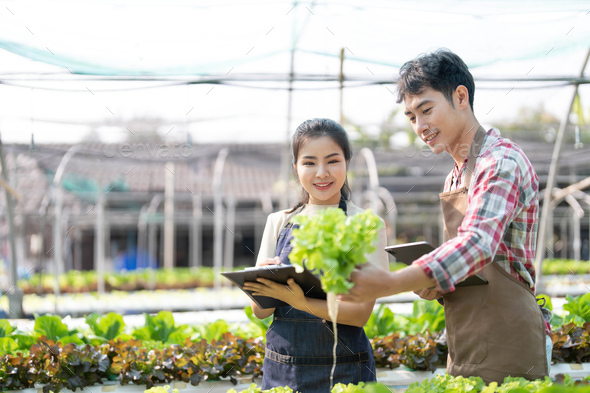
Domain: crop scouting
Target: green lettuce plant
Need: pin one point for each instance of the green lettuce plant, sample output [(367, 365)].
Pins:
[(162, 328), (578, 309), (255, 389), (161, 389), (105, 327), (332, 245), (51, 327), (426, 316)]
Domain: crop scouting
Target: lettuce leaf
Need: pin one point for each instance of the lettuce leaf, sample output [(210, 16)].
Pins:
[(331, 244)]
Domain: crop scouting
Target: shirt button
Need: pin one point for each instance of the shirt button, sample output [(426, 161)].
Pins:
[(323, 321)]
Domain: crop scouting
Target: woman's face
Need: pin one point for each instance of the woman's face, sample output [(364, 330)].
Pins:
[(321, 168)]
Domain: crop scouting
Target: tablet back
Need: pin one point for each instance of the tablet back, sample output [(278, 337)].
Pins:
[(309, 283)]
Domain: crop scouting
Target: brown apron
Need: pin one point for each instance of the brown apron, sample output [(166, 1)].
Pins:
[(494, 330)]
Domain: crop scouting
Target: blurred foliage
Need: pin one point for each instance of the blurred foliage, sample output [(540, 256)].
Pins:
[(530, 119), (565, 266), (76, 281)]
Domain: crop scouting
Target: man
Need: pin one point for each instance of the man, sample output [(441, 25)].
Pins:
[(490, 209)]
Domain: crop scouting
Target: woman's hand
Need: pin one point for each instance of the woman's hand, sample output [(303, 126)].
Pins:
[(269, 261), (291, 293)]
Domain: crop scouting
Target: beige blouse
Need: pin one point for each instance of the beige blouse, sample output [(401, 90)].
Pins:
[(276, 221)]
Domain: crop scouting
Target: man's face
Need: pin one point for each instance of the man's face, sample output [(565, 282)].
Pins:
[(434, 120)]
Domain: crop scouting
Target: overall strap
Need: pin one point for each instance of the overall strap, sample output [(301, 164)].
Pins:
[(342, 204)]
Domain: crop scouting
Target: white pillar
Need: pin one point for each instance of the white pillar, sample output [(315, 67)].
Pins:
[(218, 215), (169, 216), (99, 243), (195, 248), (230, 233)]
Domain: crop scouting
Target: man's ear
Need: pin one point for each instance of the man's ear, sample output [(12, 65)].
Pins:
[(461, 97)]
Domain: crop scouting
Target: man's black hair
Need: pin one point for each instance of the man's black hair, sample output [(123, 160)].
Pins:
[(441, 71)]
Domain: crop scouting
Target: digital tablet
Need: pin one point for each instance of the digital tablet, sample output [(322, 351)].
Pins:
[(409, 252), (309, 283)]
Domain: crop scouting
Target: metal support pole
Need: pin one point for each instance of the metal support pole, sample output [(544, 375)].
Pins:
[(42, 253), (286, 160), (195, 248), (78, 250), (564, 237), (14, 294), (230, 234), (169, 216), (341, 80), (218, 216), (151, 240), (553, 169), (577, 241), (369, 158), (390, 215), (267, 208), (57, 225), (550, 240), (577, 214), (152, 228), (99, 243), (141, 238)]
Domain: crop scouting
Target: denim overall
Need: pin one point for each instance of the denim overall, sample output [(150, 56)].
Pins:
[(299, 345)]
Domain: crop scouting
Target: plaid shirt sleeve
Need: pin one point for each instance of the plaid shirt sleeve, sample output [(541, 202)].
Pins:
[(500, 222)]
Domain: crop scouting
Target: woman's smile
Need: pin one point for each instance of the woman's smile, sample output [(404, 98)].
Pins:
[(323, 186)]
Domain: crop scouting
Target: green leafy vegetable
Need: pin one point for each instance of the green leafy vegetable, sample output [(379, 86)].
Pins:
[(161, 328), (24, 341), (107, 326), (372, 387), (161, 389), (7, 345), (259, 326), (565, 266), (426, 316), (447, 383), (255, 389), (51, 327), (211, 331), (548, 303), (578, 308), (5, 328), (381, 322), (332, 244)]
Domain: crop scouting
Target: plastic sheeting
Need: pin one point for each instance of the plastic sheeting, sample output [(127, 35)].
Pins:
[(165, 38)]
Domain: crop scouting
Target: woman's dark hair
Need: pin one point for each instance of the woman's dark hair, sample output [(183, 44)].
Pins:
[(441, 71), (317, 128)]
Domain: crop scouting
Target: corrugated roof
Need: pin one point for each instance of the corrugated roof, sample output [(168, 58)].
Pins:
[(250, 171)]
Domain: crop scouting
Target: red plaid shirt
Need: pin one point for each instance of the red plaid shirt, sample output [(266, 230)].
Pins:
[(500, 221)]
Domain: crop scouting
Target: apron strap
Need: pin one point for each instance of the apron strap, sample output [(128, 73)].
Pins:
[(473, 154)]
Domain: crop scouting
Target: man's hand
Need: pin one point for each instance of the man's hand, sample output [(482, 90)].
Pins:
[(429, 293), (370, 282)]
